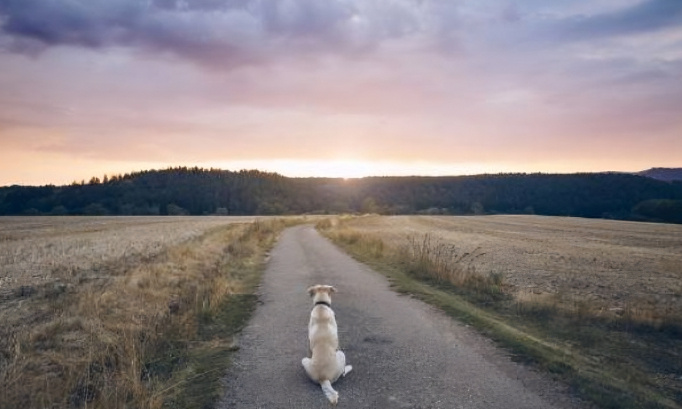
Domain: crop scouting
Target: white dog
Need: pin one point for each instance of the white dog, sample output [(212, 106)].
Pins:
[(327, 363)]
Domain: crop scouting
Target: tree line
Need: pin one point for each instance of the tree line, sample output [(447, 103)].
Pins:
[(197, 191)]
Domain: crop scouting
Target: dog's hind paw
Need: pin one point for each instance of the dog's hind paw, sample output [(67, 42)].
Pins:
[(347, 369)]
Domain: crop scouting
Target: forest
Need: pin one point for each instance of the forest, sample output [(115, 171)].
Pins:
[(197, 191)]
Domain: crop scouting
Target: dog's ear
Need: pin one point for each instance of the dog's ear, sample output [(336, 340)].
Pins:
[(332, 289), (312, 289)]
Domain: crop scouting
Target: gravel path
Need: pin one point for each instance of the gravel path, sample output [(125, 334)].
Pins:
[(405, 354)]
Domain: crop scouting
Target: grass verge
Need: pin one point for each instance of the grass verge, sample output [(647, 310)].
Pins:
[(152, 332), (618, 362)]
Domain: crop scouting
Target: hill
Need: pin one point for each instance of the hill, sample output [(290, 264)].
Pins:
[(196, 191), (664, 174)]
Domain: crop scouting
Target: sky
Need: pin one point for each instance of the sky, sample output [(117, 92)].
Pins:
[(342, 88)]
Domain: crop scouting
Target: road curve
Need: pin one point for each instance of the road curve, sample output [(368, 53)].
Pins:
[(405, 354)]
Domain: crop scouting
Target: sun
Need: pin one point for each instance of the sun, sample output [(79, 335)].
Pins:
[(350, 169), (336, 168)]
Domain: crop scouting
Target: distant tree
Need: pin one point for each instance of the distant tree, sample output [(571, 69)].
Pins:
[(477, 208), (369, 205), (59, 211), (146, 210), (126, 209), (433, 211), (175, 210), (94, 181), (338, 207), (95, 209), (660, 210)]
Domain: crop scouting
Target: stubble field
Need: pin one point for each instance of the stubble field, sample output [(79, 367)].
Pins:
[(39, 250), (615, 266), (114, 312), (596, 302)]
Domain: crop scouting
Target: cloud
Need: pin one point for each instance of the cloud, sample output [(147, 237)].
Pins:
[(231, 33), (646, 16), (222, 32)]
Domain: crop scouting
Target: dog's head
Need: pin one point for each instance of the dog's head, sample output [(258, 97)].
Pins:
[(321, 292)]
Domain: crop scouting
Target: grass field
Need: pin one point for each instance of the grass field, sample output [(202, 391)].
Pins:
[(124, 311), (596, 302), (111, 312)]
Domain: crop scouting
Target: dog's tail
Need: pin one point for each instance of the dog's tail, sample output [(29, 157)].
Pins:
[(329, 392)]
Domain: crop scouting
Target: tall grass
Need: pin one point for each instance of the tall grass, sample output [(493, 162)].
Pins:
[(425, 257), (153, 332), (431, 258)]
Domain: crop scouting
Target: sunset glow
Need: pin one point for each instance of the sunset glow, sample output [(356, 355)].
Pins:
[(354, 168), (338, 88)]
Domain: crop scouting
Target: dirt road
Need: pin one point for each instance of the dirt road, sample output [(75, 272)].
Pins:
[(404, 353)]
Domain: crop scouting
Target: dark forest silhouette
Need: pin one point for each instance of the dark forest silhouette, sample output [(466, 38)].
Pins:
[(196, 191)]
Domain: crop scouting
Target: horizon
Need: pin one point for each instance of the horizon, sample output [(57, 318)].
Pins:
[(340, 88), (309, 169), (86, 180)]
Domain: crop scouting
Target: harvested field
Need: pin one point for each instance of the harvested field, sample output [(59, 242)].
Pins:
[(114, 312), (37, 250), (614, 265), (597, 302)]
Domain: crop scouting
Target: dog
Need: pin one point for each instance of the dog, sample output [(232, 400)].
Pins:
[(327, 363)]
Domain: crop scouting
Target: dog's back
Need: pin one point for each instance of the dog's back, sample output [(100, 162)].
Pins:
[(322, 329), (327, 363), (324, 342)]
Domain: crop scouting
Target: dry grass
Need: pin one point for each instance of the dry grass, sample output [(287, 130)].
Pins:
[(617, 267), (37, 250), (432, 258), (597, 301), (123, 312)]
